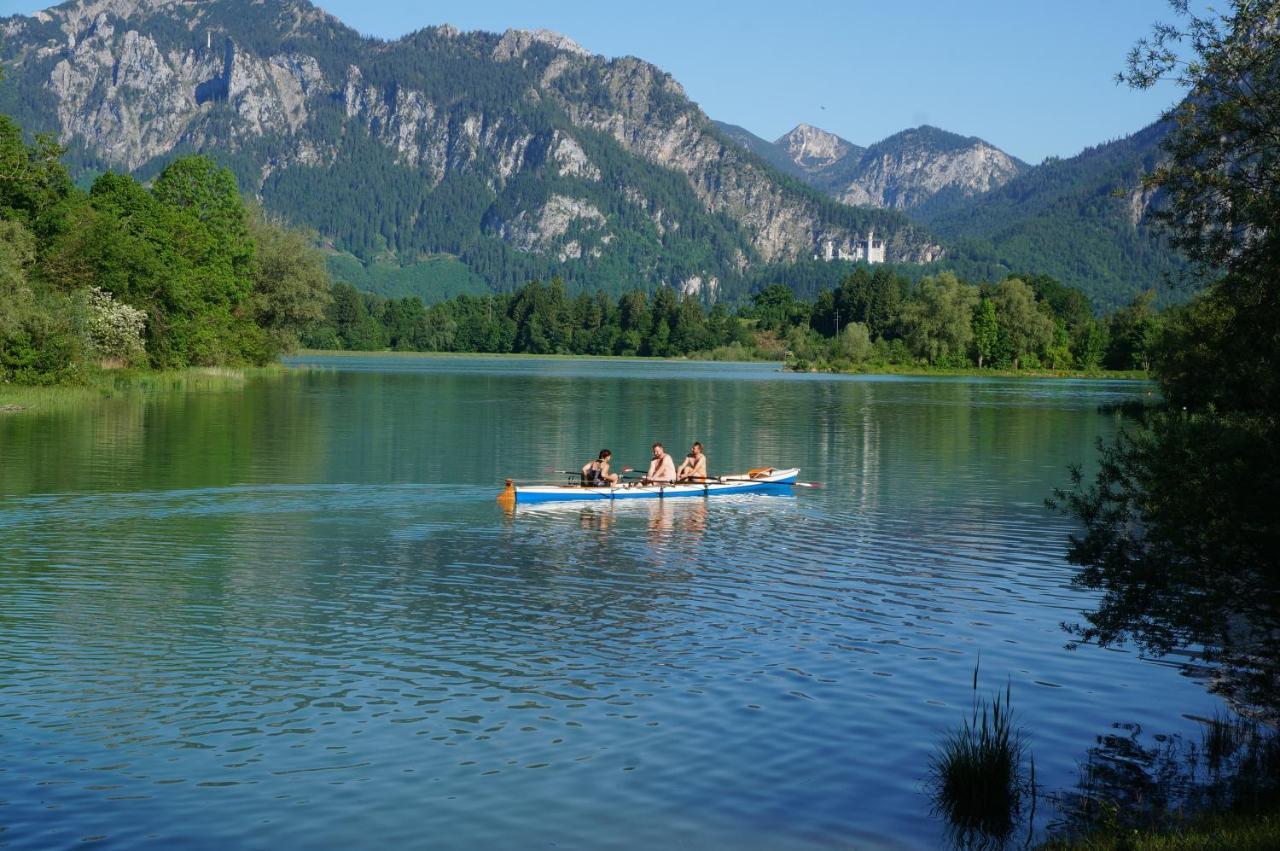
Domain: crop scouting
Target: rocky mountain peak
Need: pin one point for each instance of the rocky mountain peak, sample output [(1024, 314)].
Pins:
[(521, 152), (515, 42), (812, 147)]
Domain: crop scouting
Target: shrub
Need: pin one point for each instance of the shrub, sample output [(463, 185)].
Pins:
[(114, 330)]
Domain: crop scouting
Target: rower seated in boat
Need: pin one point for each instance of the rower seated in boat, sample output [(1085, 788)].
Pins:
[(595, 474), (662, 470), (694, 468)]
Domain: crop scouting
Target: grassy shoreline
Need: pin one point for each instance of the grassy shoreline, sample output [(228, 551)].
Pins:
[(1244, 832), (697, 357), (108, 384), (974, 372), (703, 357)]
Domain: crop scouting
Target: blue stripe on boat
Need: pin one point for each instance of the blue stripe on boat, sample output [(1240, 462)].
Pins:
[(778, 482)]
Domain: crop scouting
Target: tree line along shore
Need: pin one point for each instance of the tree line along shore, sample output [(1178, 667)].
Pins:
[(186, 273), (875, 319)]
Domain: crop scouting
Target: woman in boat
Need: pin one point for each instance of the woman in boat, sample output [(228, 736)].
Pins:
[(694, 468), (595, 474), (662, 470)]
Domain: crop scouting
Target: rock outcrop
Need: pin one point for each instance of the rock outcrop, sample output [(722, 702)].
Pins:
[(571, 147), (901, 172)]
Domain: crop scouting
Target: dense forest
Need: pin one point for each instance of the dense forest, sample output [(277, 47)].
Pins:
[(185, 272), (1082, 219), (178, 274), (873, 318)]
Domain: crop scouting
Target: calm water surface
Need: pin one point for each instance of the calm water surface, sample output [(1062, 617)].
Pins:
[(291, 614)]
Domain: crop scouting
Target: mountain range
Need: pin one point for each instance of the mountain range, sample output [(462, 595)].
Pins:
[(901, 172), (446, 161)]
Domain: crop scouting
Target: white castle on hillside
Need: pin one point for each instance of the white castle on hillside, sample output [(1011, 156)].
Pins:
[(869, 249)]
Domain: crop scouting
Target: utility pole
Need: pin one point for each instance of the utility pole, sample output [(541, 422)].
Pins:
[(837, 323)]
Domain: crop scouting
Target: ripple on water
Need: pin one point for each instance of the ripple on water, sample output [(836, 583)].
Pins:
[(366, 660)]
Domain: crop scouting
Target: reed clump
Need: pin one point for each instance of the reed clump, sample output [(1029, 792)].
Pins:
[(110, 384), (977, 771)]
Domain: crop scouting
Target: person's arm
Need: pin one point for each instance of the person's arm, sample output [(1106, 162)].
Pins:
[(668, 470)]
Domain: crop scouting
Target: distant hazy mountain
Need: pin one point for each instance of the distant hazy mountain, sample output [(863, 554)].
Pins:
[(911, 167), (517, 155), (901, 172)]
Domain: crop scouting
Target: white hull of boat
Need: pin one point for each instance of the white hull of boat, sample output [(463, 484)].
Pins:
[(771, 481)]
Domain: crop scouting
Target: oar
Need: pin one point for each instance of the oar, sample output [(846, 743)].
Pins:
[(749, 479)]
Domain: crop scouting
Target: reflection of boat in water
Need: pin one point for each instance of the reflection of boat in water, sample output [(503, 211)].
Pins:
[(766, 480)]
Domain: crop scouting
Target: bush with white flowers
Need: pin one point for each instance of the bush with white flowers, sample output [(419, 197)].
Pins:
[(114, 329)]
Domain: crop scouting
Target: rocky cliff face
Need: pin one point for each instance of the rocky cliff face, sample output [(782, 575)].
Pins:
[(814, 149), (911, 167), (572, 148)]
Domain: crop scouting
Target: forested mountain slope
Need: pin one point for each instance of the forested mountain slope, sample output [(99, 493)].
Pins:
[(1083, 220), (520, 155)]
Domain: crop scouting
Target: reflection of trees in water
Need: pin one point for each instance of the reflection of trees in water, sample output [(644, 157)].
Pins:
[(1180, 537), (1129, 781), (1134, 782)]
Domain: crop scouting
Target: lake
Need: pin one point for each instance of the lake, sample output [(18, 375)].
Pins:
[(291, 613)]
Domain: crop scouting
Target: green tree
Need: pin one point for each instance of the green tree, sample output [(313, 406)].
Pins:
[(34, 186), (775, 308), (1222, 170), (1133, 333), (937, 322), (854, 343), (1181, 537), (1026, 329), (39, 339), (291, 286), (986, 330), (1090, 344)]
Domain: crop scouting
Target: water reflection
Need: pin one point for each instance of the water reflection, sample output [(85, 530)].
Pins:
[(686, 517), (299, 604), (1132, 780)]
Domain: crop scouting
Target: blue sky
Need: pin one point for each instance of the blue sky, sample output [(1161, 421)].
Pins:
[(1030, 76)]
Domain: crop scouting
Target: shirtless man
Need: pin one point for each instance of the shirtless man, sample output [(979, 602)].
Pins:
[(662, 470), (694, 468)]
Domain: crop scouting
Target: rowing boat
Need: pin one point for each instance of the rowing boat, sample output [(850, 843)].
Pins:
[(766, 480)]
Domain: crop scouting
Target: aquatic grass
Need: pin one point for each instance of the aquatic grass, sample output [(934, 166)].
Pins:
[(977, 772), (110, 384), (1240, 833)]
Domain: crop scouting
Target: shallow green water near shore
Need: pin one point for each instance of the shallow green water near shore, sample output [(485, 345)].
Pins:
[(290, 613)]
